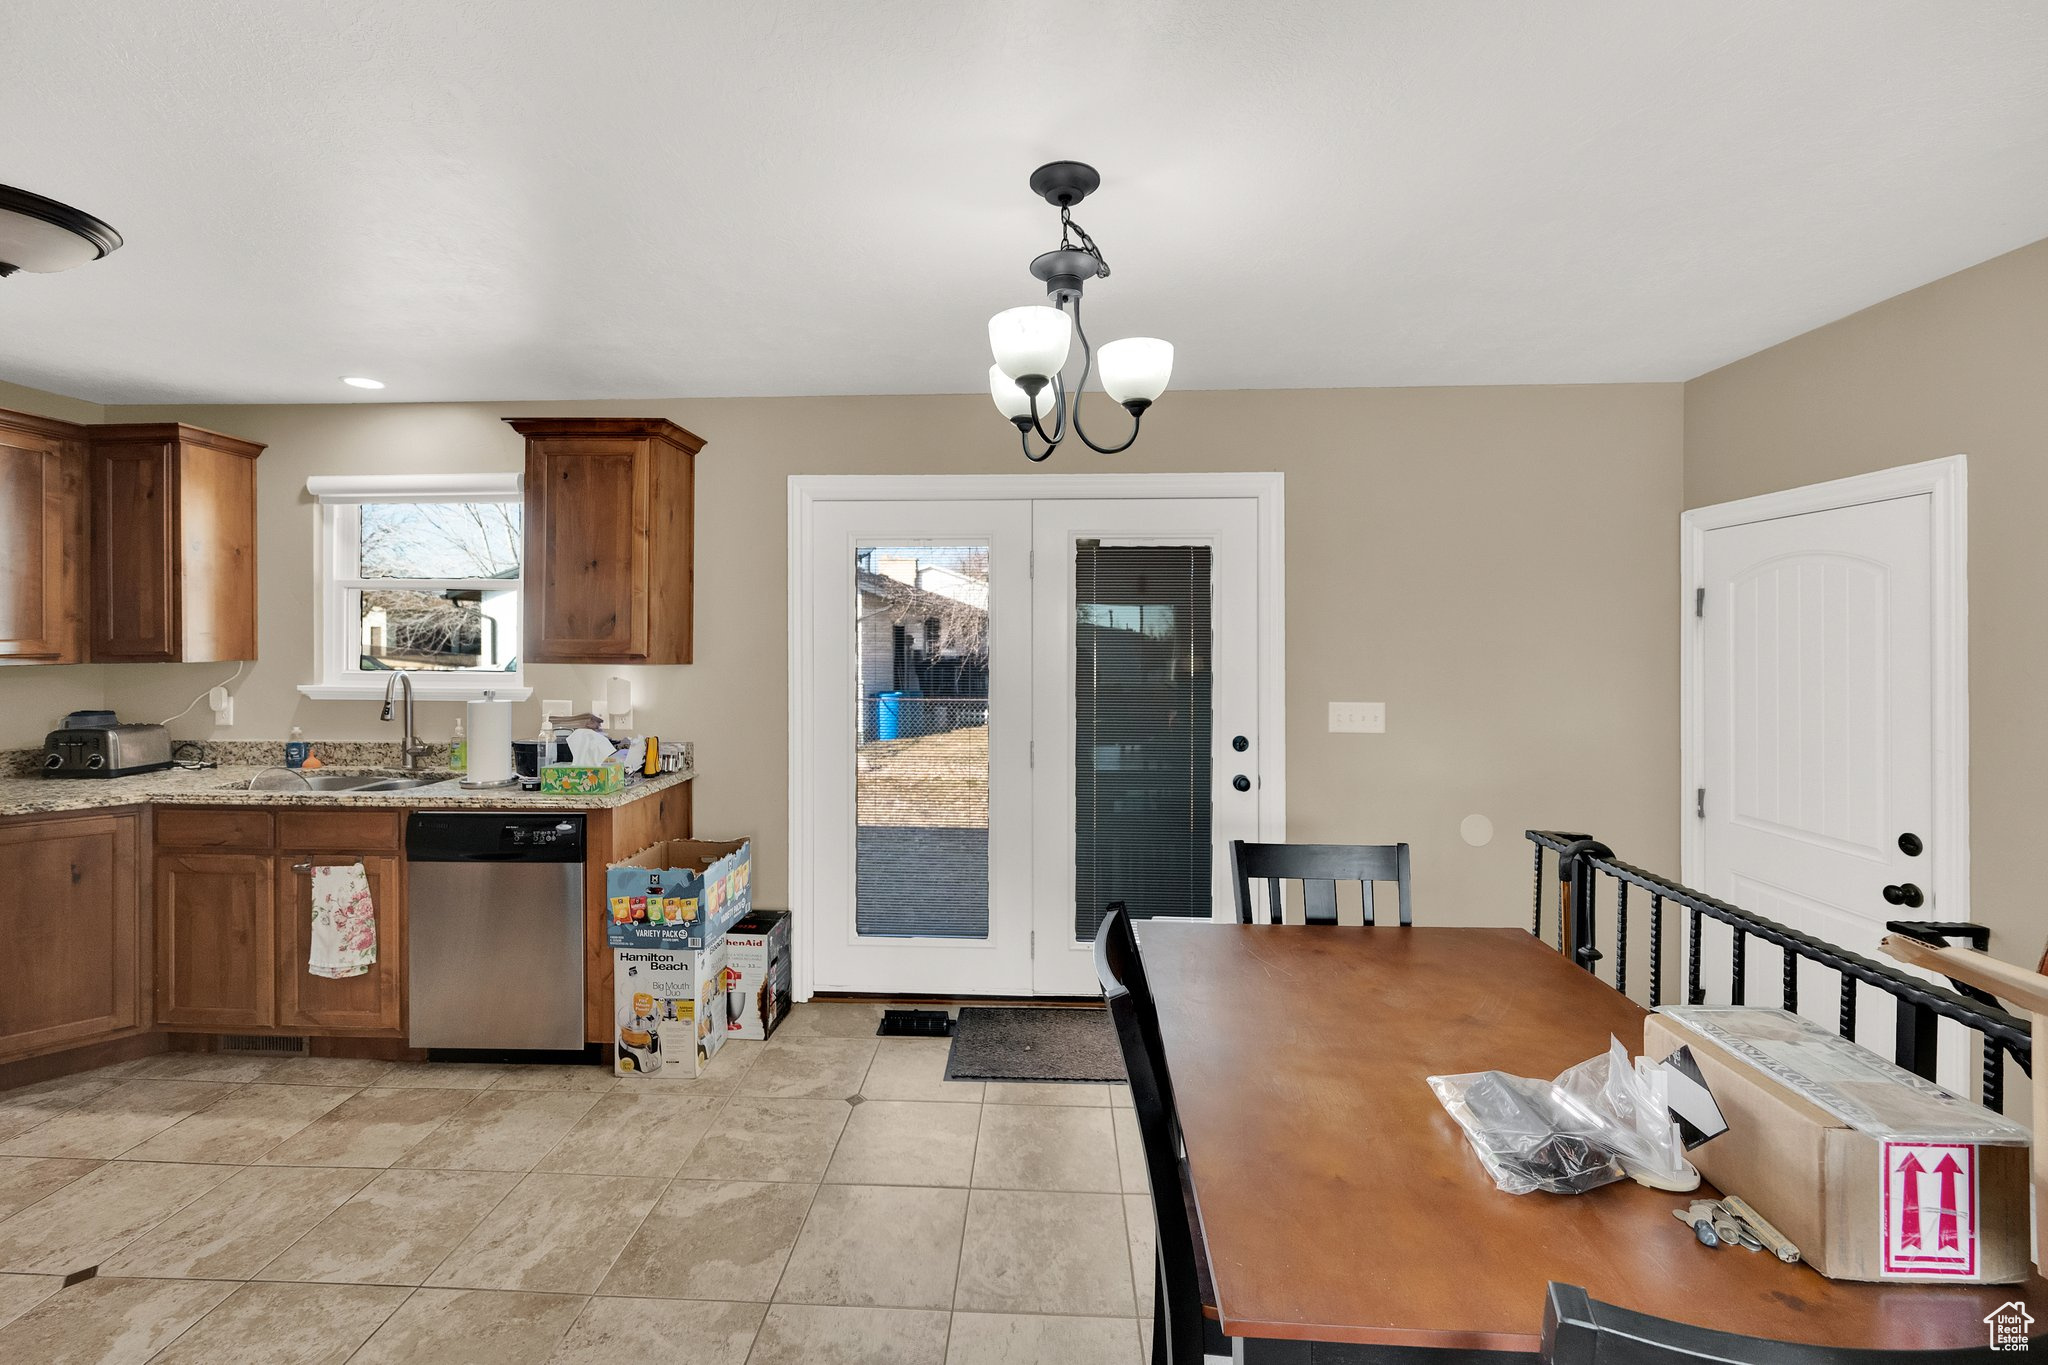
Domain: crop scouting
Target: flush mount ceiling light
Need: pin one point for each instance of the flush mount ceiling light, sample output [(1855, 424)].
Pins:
[(1031, 343), (361, 382), (44, 236)]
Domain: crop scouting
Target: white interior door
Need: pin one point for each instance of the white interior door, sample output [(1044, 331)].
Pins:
[(919, 702), (1817, 742), (1146, 715)]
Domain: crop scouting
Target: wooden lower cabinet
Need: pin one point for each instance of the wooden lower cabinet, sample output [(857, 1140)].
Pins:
[(73, 939), (373, 1001), (234, 924), (216, 917)]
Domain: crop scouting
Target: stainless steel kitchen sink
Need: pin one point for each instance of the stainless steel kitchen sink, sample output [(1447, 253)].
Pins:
[(291, 780)]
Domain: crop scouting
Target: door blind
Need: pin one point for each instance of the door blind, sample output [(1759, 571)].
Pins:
[(1143, 719)]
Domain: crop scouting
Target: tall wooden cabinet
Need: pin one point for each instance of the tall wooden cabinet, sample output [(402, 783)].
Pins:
[(610, 518), (173, 537), (76, 943), (42, 540)]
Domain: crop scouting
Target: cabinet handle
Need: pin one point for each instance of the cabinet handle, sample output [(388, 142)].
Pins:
[(302, 867)]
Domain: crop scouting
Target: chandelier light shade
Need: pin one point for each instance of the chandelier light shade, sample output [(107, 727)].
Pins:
[(43, 236), (1011, 401), (1135, 370), (1032, 343)]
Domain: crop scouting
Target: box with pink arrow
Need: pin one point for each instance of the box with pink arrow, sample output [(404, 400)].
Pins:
[(1872, 1172)]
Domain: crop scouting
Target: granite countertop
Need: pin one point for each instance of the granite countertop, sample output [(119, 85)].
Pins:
[(24, 793)]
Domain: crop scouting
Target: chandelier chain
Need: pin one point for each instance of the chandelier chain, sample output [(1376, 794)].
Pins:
[(1087, 243)]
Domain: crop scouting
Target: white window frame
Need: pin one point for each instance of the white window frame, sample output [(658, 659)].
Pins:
[(341, 498)]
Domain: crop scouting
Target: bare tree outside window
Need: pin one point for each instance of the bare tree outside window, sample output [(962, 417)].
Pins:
[(439, 610)]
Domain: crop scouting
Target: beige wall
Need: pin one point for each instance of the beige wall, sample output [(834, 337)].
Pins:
[(1959, 365), (1438, 541)]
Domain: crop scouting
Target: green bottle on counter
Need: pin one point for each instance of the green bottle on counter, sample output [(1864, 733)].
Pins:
[(458, 749)]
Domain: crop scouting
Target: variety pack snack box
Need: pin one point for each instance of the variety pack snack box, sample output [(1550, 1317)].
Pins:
[(678, 895)]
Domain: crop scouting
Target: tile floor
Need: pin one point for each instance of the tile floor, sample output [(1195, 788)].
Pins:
[(825, 1196)]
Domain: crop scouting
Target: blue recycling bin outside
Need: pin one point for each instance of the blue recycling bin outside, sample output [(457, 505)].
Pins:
[(888, 715)]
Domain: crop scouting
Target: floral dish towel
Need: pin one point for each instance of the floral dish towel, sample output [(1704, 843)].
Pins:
[(344, 922)]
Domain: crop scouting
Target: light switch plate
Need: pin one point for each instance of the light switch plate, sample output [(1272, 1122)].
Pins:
[(1358, 717)]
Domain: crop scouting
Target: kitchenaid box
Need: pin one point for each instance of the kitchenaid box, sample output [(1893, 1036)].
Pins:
[(757, 973), (1872, 1172), (677, 895), (671, 1010)]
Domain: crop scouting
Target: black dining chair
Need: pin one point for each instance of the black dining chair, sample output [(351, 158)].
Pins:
[(1318, 867), (1577, 1330), (1184, 1325)]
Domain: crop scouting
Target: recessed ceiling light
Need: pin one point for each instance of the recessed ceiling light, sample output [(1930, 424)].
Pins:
[(360, 382)]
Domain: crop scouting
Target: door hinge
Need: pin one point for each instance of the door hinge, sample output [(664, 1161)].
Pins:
[(1699, 601), (1032, 750), (1034, 943), (1699, 803)]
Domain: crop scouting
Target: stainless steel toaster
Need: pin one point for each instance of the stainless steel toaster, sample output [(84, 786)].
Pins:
[(106, 751)]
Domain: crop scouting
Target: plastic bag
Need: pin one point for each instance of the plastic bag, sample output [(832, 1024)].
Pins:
[(1600, 1121)]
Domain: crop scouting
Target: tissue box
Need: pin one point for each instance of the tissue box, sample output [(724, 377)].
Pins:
[(671, 1011), (678, 895), (579, 779)]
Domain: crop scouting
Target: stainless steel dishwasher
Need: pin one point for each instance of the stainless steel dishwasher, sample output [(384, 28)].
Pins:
[(495, 922)]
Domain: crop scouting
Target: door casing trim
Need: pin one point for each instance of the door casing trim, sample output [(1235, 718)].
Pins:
[(1946, 481), (806, 491)]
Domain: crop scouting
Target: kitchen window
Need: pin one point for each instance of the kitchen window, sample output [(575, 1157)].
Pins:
[(419, 574)]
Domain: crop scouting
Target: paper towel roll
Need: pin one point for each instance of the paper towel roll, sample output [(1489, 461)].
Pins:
[(490, 742)]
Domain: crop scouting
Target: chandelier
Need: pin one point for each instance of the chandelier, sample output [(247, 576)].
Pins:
[(1031, 343)]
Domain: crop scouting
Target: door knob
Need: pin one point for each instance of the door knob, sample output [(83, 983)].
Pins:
[(1905, 893), (1241, 782), (1910, 845), (1240, 743)]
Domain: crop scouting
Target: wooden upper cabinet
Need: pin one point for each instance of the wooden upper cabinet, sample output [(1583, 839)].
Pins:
[(42, 540), (173, 533), (610, 539)]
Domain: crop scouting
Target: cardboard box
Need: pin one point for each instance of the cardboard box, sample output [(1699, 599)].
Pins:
[(678, 895), (670, 1011), (1872, 1172), (758, 973)]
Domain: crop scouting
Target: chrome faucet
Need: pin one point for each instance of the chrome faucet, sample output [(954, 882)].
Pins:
[(410, 747)]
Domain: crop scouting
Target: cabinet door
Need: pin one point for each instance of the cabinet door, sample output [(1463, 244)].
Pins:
[(71, 926), (42, 524), (586, 550), (372, 1002), (134, 548), (216, 941)]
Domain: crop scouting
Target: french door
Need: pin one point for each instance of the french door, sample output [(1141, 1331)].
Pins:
[(1015, 712)]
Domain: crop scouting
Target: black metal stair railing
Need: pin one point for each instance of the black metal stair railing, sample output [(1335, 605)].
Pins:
[(1581, 861)]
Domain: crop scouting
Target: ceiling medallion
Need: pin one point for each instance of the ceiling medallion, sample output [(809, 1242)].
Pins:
[(1031, 343)]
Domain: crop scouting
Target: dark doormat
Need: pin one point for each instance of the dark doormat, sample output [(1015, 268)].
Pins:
[(1034, 1044)]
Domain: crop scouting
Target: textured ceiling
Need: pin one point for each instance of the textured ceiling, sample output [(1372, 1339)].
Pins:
[(572, 199)]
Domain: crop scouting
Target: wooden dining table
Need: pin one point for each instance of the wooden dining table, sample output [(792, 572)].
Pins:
[(1339, 1203)]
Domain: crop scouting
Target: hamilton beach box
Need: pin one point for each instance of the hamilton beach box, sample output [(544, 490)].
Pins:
[(671, 1011), (1872, 1172), (679, 895)]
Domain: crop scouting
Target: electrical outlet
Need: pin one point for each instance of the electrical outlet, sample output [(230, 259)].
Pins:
[(1358, 717)]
